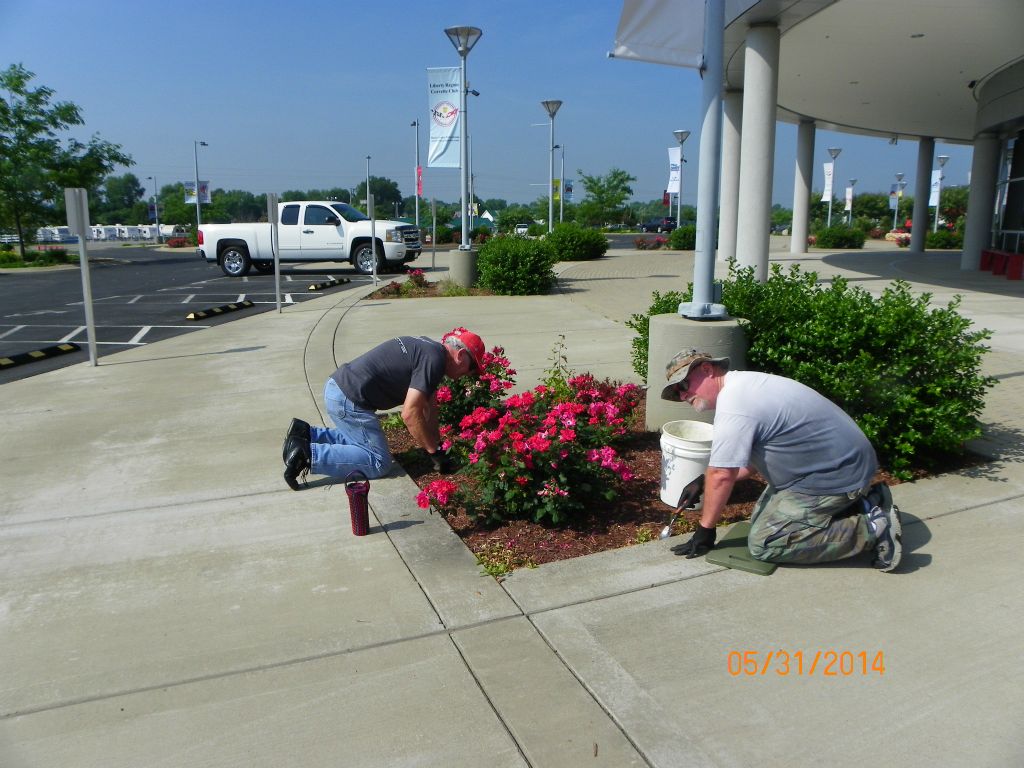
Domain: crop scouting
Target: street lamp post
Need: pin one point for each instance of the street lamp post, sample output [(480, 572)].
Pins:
[(561, 184), (464, 38), (551, 106), (416, 172), (943, 159), (833, 153), (156, 206), (853, 183), (899, 194), (195, 148), (681, 136)]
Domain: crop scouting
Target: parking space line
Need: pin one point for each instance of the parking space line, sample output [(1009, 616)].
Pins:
[(71, 335), (15, 329), (188, 298), (288, 299), (136, 299), (241, 298), (137, 338)]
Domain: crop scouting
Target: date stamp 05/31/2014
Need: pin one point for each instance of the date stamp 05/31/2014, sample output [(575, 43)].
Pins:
[(801, 663)]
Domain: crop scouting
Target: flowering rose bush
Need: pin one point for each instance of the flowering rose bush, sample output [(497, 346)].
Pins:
[(543, 454), (460, 397)]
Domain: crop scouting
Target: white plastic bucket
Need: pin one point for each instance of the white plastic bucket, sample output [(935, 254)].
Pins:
[(685, 451)]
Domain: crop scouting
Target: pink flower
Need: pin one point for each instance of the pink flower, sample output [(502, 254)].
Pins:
[(444, 395)]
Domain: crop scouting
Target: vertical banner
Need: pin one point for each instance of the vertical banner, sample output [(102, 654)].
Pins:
[(556, 190), (675, 155), (849, 200), (933, 197), (894, 192), (444, 85), (190, 192), (419, 181), (568, 190), (826, 193)]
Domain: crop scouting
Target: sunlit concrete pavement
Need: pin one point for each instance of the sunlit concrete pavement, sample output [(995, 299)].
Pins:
[(167, 601)]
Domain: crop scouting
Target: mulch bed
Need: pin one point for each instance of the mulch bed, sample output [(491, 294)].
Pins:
[(636, 516)]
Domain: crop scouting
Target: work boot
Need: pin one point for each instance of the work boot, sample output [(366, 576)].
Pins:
[(298, 428), (884, 520), (297, 455)]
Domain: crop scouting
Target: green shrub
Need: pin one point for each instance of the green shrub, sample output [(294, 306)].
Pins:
[(840, 236), (451, 288), (6, 247), (944, 238), (536, 230), (683, 238), (907, 373), (444, 234), (516, 266), (575, 243), (10, 259)]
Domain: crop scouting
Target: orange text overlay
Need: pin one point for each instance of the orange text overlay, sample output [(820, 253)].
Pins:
[(823, 663)]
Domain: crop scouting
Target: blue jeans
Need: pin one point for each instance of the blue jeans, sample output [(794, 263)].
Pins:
[(356, 443)]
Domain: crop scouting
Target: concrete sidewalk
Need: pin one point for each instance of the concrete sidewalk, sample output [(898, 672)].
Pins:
[(167, 601)]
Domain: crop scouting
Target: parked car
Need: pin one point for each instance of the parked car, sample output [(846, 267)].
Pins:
[(665, 224), (521, 229)]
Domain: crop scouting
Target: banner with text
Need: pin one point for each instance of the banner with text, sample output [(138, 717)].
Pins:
[(849, 200), (444, 85), (826, 194), (933, 197), (675, 155)]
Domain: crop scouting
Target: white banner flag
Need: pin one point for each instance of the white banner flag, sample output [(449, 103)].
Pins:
[(444, 85), (849, 199), (826, 193), (933, 198), (675, 155), (894, 196), (190, 192)]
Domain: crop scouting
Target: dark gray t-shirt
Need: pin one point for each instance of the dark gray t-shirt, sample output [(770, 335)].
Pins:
[(792, 435), (381, 378)]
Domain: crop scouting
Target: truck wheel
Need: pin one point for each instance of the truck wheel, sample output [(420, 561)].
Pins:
[(363, 258), (235, 261)]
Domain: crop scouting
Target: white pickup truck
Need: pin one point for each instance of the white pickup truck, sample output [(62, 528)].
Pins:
[(310, 230)]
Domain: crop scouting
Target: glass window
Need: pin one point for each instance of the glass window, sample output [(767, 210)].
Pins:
[(317, 214), (290, 214)]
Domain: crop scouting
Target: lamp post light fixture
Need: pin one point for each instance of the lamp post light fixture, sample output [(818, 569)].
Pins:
[(853, 183), (464, 38), (551, 106), (943, 159), (899, 194), (195, 148), (833, 153), (156, 206), (681, 136)]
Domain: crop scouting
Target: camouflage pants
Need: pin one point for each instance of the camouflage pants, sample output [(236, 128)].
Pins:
[(791, 527)]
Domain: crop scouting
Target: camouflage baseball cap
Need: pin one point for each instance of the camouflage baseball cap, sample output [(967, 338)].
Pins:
[(679, 367)]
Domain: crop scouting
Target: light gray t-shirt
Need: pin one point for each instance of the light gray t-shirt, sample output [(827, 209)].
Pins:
[(796, 438)]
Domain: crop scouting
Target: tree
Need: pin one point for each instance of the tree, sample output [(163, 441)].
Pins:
[(953, 206), (385, 195), (120, 201), (605, 196), (34, 162)]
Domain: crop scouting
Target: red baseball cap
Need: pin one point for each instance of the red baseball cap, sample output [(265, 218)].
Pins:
[(470, 342)]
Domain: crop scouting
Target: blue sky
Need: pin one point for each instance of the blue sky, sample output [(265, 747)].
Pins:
[(295, 96)]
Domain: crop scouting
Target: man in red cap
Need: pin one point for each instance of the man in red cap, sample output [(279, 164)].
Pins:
[(405, 371)]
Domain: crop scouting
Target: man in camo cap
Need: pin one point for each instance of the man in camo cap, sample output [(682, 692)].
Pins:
[(820, 503)]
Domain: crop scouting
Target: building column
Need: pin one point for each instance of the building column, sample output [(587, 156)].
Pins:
[(922, 190), (981, 200), (802, 179), (732, 110), (757, 147)]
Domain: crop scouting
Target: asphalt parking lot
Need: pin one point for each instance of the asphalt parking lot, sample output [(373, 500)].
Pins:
[(140, 296)]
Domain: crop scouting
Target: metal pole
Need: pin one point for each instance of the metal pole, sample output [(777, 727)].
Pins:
[(195, 148), (899, 194), (416, 173), (156, 206), (273, 218), (373, 222), (76, 203), (551, 177), (464, 148), (561, 188), (938, 197)]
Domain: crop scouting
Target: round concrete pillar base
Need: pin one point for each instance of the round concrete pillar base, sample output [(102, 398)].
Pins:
[(463, 268)]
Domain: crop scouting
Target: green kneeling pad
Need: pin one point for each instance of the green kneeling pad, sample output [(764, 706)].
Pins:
[(731, 551)]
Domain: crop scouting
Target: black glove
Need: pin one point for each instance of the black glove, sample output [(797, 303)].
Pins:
[(442, 462), (691, 493), (703, 540)]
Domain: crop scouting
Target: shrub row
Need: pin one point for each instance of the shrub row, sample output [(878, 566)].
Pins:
[(909, 374)]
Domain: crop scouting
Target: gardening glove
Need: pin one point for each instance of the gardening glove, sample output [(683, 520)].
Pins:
[(442, 462), (702, 541), (691, 493)]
